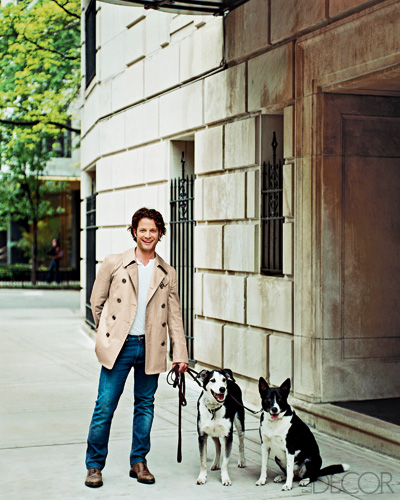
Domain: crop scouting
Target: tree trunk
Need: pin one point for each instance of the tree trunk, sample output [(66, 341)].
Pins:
[(34, 252)]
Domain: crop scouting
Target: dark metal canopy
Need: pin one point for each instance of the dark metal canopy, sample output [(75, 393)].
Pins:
[(203, 7)]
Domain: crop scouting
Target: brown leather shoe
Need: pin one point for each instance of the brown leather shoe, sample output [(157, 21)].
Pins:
[(93, 478), (142, 473)]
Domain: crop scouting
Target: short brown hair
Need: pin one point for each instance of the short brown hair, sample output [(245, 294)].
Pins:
[(147, 213)]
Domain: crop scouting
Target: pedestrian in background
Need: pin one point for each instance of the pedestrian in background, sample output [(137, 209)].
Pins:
[(57, 254), (134, 299)]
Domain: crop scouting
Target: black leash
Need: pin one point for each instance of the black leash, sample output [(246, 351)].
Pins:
[(245, 407), (177, 379)]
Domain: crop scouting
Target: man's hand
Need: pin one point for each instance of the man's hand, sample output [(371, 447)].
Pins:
[(182, 367)]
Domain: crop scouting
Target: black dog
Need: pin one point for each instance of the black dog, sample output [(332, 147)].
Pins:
[(289, 438), (218, 407)]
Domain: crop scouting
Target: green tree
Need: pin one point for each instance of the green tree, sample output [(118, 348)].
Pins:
[(39, 64), (39, 81), (24, 193), (47, 230)]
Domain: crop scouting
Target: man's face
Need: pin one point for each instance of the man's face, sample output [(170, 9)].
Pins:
[(147, 235)]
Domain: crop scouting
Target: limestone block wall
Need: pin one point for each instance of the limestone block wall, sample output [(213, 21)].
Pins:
[(140, 55), (328, 42), (244, 319), (128, 113), (225, 85)]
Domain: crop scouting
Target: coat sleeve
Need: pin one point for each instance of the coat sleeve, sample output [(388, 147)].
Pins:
[(175, 325), (101, 289)]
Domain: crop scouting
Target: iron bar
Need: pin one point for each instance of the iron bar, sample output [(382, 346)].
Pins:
[(182, 223), (272, 218), (90, 252)]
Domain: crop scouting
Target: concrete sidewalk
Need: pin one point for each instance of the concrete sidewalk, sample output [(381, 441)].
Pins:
[(48, 388)]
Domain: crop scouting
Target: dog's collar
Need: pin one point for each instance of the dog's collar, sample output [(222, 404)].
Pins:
[(214, 411)]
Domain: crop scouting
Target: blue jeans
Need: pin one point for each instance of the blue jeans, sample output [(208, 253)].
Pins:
[(54, 267), (111, 385)]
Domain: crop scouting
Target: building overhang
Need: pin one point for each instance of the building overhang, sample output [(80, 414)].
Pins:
[(191, 7)]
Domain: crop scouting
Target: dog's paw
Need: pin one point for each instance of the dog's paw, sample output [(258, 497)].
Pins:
[(202, 479), (279, 479), (242, 464), (261, 481), (215, 467), (286, 487), (226, 481), (305, 482)]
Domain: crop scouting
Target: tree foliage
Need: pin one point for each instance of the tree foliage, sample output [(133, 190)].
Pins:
[(39, 80), (47, 229), (24, 194), (39, 63)]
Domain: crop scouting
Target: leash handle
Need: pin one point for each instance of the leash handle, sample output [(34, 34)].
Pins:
[(177, 379), (182, 402)]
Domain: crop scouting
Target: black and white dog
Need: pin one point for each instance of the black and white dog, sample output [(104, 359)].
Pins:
[(218, 407), (289, 438)]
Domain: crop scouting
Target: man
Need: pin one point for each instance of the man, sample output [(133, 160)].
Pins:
[(133, 300)]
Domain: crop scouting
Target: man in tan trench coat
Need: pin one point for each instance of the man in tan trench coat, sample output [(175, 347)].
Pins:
[(134, 299)]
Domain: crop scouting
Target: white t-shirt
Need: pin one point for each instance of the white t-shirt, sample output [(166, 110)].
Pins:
[(144, 273)]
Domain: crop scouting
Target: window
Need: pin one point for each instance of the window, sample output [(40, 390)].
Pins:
[(271, 215), (90, 41), (61, 146)]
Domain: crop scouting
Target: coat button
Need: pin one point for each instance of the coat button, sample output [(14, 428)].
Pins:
[(162, 343), (107, 334), (123, 280), (163, 306), (118, 300), (164, 325), (114, 317), (162, 285)]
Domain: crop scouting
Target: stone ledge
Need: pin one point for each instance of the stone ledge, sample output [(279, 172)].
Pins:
[(351, 426)]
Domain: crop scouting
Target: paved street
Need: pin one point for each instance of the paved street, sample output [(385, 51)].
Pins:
[(48, 388)]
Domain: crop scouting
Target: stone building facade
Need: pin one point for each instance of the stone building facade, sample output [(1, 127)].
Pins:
[(324, 76)]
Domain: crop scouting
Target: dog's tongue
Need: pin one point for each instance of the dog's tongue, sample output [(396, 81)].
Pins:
[(274, 417), (219, 397)]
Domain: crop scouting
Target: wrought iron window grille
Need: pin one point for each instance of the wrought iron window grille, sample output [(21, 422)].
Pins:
[(182, 231), (271, 215), (90, 252)]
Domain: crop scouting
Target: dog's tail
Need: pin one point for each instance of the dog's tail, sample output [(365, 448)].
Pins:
[(333, 469)]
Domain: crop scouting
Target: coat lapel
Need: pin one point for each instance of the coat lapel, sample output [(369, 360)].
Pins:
[(157, 276), (129, 261), (134, 276)]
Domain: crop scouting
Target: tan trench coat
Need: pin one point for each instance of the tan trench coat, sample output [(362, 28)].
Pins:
[(114, 302)]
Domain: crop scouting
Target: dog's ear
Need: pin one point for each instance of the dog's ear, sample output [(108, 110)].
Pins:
[(202, 376), (262, 385), (228, 374), (285, 387)]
